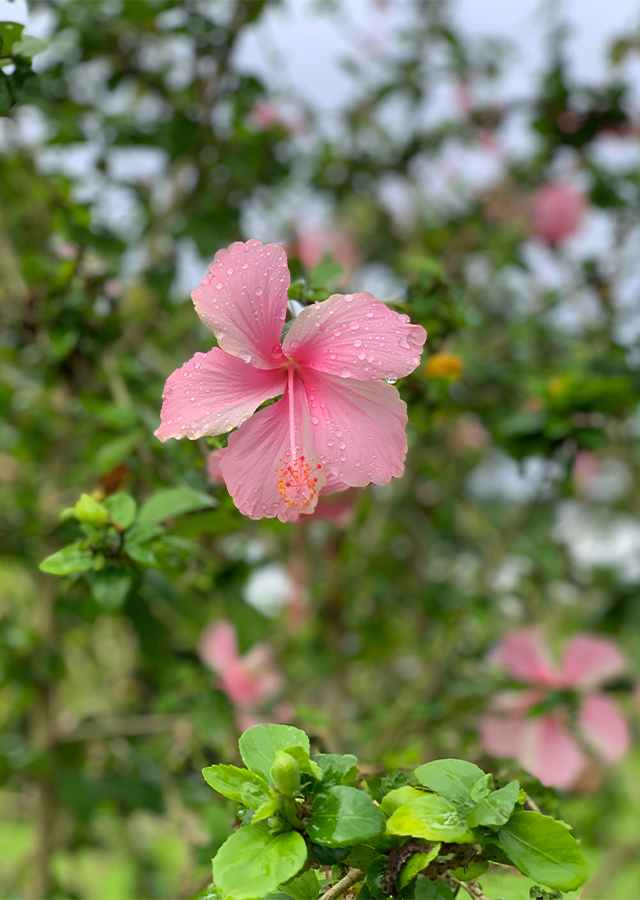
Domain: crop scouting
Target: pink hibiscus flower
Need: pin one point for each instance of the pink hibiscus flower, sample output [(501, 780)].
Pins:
[(546, 744), (557, 211), (338, 423), (249, 680)]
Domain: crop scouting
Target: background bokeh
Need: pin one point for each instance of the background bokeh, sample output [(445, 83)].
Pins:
[(501, 212)]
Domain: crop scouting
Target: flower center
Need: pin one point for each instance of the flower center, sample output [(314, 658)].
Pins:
[(297, 479)]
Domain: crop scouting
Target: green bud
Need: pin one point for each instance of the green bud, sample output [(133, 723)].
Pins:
[(285, 773), (90, 511)]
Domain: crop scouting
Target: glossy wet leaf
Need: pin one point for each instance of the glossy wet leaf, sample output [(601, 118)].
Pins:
[(336, 768), (431, 818), (237, 784), (544, 850), (253, 863), (342, 816), (451, 778), (260, 744)]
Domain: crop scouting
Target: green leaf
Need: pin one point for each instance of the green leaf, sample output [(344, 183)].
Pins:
[(544, 850), (494, 810), (337, 768), (472, 871), (141, 555), (430, 817), (237, 784), (259, 745), (342, 816), (401, 796), (90, 511), (110, 588), (451, 778), (432, 890), (302, 887), (6, 97), (482, 788), (173, 502), (121, 509), (415, 865), (28, 47), (11, 32), (268, 809), (252, 862), (68, 560)]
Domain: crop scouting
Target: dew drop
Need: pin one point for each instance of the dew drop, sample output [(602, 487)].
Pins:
[(229, 271), (369, 314), (361, 355), (259, 291), (345, 372), (348, 298), (354, 326), (245, 356), (219, 286), (207, 278), (390, 379), (342, 445), (337, 332), (315, 420), (293, 345), (245, 265), (357, 343)]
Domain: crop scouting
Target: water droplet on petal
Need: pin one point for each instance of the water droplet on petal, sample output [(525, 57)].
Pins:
[(314, 420), (369, 314), (245, 356), (207, 278), (348, 298), (354, 326), (219, 286), (229, 271), (259, 291), (390, 379), (345, 372)]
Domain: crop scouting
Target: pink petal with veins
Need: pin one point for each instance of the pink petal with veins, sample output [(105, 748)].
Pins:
[(590, 661), (261, 476), (355, 336), (551, 753), (604, 727), (358, 428), (524, 655), (243, 300), (213, 393)]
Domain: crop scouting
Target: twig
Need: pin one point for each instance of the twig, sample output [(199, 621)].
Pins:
[(530, 804), (472, 888), (351, 878)]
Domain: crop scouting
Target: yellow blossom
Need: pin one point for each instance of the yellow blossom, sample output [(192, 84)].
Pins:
[(444, 365)]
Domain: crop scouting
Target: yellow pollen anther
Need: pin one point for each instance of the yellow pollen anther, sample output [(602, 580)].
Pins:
[(297, 481)]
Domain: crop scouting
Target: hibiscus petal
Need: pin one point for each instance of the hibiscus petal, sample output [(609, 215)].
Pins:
[(590, 661), (218, 646), (355, 336), (214, 392), (551, 753), (243, 300), (501, 736), (258, 453), (524, 655), (604, 727), (214, 472), (358, 428)]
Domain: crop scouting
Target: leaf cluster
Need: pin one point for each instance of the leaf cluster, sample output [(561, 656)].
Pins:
[(301, 812)]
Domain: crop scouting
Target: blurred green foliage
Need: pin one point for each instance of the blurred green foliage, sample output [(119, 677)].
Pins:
[(107, 713)]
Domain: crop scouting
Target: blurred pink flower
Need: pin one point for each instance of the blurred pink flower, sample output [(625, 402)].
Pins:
[(338, 422), (266, 115), (545, 743), (557, 211), (249, 680), (314, 243)]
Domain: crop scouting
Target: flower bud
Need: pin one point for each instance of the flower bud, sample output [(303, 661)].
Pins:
[(286, 773)]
